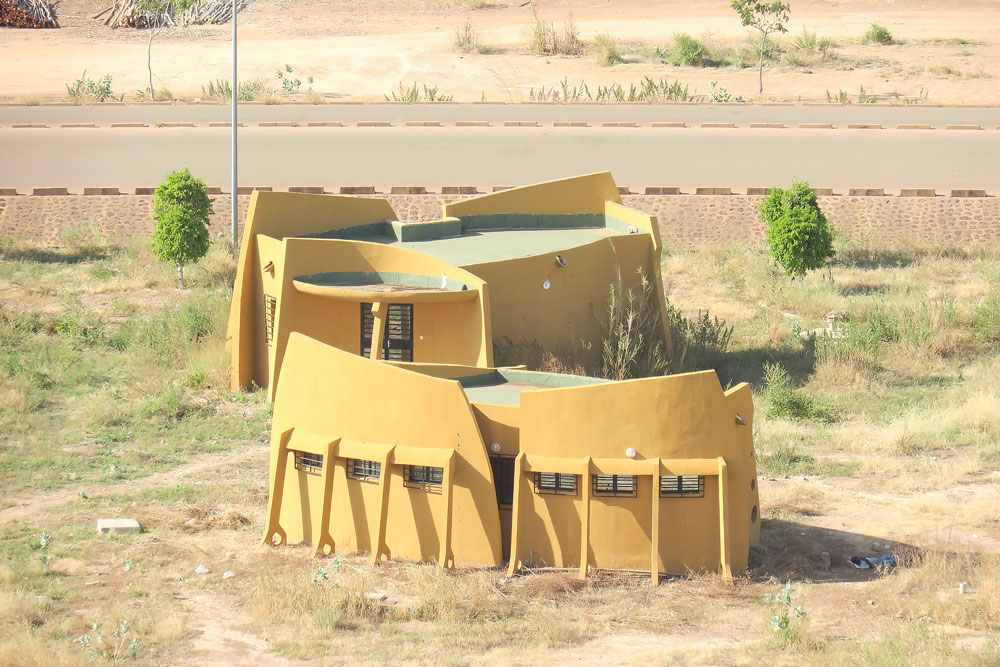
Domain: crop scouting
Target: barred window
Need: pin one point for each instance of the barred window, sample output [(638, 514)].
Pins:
[(422, 476), (682, 486), (308, 462), (614, 485), (270, 306), (555, 482), (361, 469)]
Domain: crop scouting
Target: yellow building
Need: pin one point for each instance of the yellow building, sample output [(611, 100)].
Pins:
[(464, 465), (526, 265), (394, 434)]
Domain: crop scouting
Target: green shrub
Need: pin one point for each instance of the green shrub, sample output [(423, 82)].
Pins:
[(719, 95), (986, 321), (86, 91), (785, 460), (877, 34), (797, 231), (782, 401), (687, 51), (859, 347), (606, 51), (181, 208), (699, 342), (809, 50)]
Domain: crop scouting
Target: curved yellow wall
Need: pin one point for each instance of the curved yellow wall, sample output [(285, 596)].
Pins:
[(280, 215), (449, 331), (575, 306), (579, 194), (674, 418), (328, 395)]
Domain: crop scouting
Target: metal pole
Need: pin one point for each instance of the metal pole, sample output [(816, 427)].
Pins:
[(235, 188)]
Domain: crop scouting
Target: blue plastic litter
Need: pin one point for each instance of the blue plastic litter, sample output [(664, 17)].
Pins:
[(872, 562)]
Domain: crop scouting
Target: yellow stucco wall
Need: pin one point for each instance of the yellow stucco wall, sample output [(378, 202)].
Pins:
[(353, 407), (442, 332), (515, 306), (279, 215), (580, 194), (674, 417), (576, 303), (375, 408)]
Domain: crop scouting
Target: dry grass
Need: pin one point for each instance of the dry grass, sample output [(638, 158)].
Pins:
[(907, 461)]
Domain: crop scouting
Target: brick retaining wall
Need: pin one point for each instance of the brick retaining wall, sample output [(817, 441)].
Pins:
[(688, 221)]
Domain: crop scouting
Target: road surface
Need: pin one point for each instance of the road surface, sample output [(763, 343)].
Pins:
[(498, 155), (546, 114)]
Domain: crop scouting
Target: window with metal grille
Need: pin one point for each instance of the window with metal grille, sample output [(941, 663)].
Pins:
[(361, 469), (422, 476), (397, 342), (270, 306), (555, 482), (308, 462), (682, 486), (503, 479), (614, 485)]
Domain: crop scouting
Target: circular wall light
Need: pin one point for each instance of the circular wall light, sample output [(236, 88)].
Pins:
[(495, 447), (630, 452), (546, 285)]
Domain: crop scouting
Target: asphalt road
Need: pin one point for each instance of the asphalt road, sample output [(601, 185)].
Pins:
[(643, 114), (484, 157)]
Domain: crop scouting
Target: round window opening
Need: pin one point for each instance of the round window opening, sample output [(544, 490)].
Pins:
[(753, 514)]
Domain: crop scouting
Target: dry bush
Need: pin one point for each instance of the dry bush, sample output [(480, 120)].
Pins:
[(28, 650), (567, 357), (633, 345), (546, 39), (925, 586)]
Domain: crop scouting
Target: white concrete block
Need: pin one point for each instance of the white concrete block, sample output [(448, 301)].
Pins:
[(118, 526)]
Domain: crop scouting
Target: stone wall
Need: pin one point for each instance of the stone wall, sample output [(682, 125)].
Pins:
[(687, 221)]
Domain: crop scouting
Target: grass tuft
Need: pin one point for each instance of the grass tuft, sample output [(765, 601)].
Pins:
[(877, 34), (606, 51)]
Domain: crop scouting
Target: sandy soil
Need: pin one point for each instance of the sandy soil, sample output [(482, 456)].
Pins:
[(360, 51)]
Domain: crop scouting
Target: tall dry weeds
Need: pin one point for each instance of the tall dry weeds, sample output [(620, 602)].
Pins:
[(633, 331)]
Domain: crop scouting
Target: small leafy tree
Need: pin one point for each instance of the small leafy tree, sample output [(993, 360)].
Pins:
[(181, 208), (797, 231), (766, 18)]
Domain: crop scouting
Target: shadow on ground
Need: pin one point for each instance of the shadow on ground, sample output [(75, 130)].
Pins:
[(56, 255), (791, 551)]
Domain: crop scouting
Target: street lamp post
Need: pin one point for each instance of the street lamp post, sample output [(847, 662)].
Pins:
[(235, 189)]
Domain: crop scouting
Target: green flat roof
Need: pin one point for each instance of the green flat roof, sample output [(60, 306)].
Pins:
[(479, 247), (477, 239), (504, 386)]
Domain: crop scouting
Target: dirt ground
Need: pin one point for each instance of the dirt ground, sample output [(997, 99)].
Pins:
[(361, 51)]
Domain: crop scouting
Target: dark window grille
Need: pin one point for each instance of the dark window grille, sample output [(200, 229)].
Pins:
[(397, 343), (270, 306), (555, 482), (308, 462), (682, 486), (614, 485), (503, 479), (423, 476), (361, 469)]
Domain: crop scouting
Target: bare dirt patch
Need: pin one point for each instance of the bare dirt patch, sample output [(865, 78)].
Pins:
[(362, 51)]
